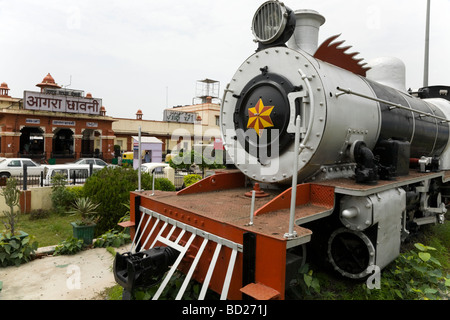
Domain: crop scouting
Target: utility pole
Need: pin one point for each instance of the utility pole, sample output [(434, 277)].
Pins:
[(427, 46)]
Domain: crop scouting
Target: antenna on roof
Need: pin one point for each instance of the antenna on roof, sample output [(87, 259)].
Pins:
[(66, 86)]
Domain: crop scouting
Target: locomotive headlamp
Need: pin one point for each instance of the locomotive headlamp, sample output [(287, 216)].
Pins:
[(273, 23)]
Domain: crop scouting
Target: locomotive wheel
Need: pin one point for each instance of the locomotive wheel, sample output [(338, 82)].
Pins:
[(351, 253)]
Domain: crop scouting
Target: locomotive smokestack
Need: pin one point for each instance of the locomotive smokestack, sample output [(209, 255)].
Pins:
[(306, 34)]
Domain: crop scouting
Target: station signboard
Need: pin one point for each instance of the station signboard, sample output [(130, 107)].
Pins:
[(59, 103)]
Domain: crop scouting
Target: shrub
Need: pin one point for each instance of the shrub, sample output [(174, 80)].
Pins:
[(190, 179), (38, 214), (414, 275), (163, 184), (111, 188), (112, 239), (76, 192), (15, 250), (69, 246), (62, 197)]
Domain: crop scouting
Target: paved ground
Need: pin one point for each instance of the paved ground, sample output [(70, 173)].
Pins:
[(82, 276)]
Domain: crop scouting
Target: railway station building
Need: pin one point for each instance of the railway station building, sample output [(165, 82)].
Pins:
[(181, 127), (61, 125), (54, 123)]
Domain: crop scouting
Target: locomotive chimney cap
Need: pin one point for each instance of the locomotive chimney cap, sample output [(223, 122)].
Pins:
[(306, 34)]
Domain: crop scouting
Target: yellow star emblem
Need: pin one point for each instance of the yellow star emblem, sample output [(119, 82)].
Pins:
[(259, 117)]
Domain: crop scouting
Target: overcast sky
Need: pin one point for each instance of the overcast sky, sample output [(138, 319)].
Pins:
[(149, 54)]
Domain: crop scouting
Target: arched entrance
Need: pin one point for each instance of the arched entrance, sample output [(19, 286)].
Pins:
[(63, 143), (91, 143), (32, 142)]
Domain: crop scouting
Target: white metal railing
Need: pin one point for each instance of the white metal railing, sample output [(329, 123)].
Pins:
[(182, 249)]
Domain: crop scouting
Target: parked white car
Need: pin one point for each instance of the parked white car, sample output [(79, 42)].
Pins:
[(161, 170), (95, 161), (150, 166), (14, 167)]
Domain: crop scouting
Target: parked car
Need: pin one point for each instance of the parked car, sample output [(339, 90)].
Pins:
[(78, 171), (14, 167), (150, 166), (162, 170), (95, 161)]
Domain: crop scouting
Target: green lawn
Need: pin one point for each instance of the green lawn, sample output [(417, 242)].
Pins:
[(48, 231)]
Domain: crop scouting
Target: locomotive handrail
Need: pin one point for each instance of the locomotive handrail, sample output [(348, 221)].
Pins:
[(311, 103), (298, 148), (393, 105), (292, 234)]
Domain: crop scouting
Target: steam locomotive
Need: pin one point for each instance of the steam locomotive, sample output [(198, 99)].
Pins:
[(331, 156)]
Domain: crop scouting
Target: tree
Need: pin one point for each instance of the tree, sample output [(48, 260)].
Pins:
[(111, 187)]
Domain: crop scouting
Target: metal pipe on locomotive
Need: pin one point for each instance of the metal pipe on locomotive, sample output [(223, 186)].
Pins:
[(350, 163)]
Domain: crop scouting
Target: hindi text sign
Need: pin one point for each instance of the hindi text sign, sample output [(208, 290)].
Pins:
[(58, 103)]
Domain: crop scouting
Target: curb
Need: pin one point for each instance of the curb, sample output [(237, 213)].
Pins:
[(46, 250)]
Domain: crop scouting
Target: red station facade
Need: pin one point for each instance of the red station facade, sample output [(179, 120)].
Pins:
[(56, 124)]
